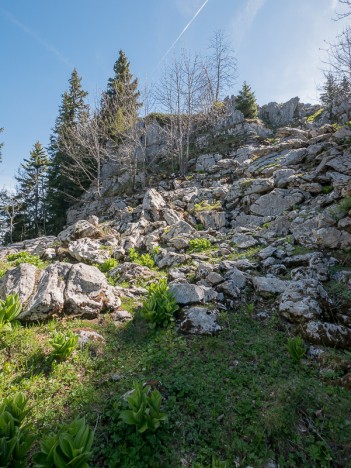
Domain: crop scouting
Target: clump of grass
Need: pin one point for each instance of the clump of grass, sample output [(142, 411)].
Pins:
[(141, 259), (313, 117), (205, 205), (296, 348), (327, 189), (199, 245)]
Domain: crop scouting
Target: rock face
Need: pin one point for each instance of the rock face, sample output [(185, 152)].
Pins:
[(267, 201), (60, 289)]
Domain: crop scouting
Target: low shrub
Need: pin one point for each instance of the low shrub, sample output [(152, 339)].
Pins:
[(160, 305), (10, 309), (108, 265), (64, 344), (15, 436), (207, 206), (142, 259), (199, 227), (70, 447), (296, 348), (25, 257), (199, 245), (144, 409)]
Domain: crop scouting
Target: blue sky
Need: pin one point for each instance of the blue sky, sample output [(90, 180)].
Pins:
[(277, 44)]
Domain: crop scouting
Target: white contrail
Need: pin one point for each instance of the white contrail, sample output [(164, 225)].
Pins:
[(50, 48), (185, 29)]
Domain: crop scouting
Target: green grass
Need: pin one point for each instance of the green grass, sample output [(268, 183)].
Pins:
[(205, 205), (313, 117), (235, 396)]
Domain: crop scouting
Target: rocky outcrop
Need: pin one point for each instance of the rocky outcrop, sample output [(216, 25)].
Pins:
[(61, 289)]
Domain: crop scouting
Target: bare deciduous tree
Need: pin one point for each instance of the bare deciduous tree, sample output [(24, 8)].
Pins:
[(339, 55), (347, 13), (89, 146), (220, 67), (10, 208)]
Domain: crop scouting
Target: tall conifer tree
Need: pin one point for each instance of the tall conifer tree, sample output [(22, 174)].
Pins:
[(246, 102), (120, 101), (32, 183), (62, 192)]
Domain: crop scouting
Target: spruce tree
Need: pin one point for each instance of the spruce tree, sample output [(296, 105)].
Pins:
[(32, 184), (246, 102), (330, 91), (120, 101), (62, 192)]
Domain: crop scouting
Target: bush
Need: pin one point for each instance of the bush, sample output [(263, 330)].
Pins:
[(64, 344), (25, 257), (108, 265), (15, 438), (160, 305), (144, 409), (199, 244), (143, 260), (10, 309), (296, 348), (70, 447)]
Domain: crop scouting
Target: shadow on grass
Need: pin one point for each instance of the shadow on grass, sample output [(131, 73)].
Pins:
[(38, 363)]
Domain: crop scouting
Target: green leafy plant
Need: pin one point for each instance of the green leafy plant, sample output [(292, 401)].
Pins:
[(296, 348), (199, 227), (64, 344), (143, 259), (199, 244), (144, 409), (327, 189), (215, 463), (108, 265), (10, 309), (156, 249), (205, 205), (25, 257), (250, 308), (160, 305), (70, 447), (15, 436)]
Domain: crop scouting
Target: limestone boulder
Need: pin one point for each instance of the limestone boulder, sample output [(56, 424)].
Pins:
[(200, 321), (88, 250), (327, 334), (303, 301), (79, 230), (276, 202)]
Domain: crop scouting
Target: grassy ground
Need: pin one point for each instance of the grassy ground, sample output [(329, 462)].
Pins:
[(236, 396)]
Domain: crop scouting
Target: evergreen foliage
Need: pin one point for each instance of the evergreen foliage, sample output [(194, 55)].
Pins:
[(329, 92), (120, 101), (32, 180), (62, 191), (246, 102)]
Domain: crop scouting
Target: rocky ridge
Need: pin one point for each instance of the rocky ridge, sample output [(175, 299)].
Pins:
[(272, 203)]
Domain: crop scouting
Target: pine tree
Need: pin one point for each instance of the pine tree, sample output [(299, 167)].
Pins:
[(62, 192), (330, 91), (32, 184), (246, 102), (120, 101)]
